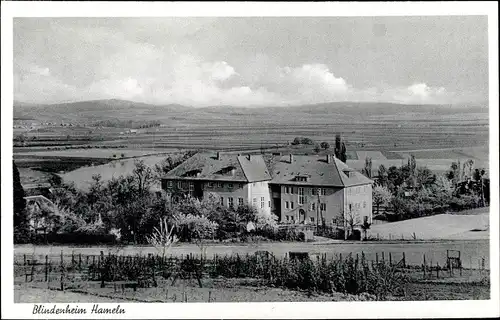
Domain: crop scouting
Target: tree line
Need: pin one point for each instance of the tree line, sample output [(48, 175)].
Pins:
[(412, 191)]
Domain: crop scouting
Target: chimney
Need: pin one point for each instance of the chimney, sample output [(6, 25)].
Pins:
[(217, 157), (328, 158), (291, 158), (249, 157)]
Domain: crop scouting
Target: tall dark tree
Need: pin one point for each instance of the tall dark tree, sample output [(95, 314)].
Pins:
[(19, 201), (340, 150), (367, 170)]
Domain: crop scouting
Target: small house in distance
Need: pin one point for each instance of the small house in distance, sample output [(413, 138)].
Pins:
[(298, 189)]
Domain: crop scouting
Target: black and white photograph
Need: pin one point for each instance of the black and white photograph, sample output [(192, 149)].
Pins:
[(227, 159)]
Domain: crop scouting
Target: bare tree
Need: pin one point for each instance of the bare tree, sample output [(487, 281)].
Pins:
[(162, 239)]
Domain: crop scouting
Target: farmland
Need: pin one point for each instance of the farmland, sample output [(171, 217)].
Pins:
[(436, 135)]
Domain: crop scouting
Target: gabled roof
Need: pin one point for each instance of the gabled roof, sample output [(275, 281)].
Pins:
[(317, 169), (226, 167), (231, 167)]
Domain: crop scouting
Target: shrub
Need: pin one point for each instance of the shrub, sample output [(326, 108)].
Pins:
[(195, 227)]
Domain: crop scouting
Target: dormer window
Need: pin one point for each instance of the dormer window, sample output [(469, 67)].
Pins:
[(301, 178), (228, 171), (192, 173)]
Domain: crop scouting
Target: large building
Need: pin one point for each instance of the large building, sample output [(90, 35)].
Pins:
[(307, 189)]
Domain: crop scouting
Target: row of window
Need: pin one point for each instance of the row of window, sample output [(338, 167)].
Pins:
[(356, 206), (230, 202), (357, 190), (290, 205), (183, 184), (291, 219), (302, 191)]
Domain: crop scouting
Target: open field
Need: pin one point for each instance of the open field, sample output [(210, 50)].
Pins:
[(82, 177), (93, 153), (442, 226), (364, 126)]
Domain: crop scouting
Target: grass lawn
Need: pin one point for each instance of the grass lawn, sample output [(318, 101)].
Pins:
[(442, 226)]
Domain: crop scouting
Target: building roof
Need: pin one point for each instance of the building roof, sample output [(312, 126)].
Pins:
[(225, 167), (314, 169), (317, 170)]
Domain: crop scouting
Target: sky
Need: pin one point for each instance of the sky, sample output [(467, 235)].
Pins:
[(252, 61)]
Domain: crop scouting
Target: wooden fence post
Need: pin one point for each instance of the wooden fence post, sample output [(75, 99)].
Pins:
[(390, 259), (46, 268), (25, 270), (404, 260), (102, 268), (424, 266)]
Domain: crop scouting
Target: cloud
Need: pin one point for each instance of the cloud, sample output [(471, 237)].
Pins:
[(219, 70), (40, 71), (314, 83)]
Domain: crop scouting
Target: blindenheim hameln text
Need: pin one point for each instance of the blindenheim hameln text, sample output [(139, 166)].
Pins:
[(41, 309)]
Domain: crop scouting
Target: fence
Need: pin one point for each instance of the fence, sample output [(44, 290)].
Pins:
[(351, 273)]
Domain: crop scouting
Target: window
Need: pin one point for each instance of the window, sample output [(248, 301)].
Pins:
[(291, 190), (240, 202), (262, 202), (219, 185), (254, 201), (179, 184), (169, 184), (287, 205), (323, 206), (301, 196), (191, 189), (221, 201), (231, 203), (240, 186), (230, 185), (323, 191), (364, 204), (313, 206), (350, 206), (314, 191), (269, 204), (291, 204), (287, 190), (210, 184), (287, 218), (312, 219)]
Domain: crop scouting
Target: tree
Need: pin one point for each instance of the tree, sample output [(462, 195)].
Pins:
[(424, 177), (19, 201), (144, 176), (367, 170), (351, 219), (162, 239), (20, 217), (325, 145), (296, 141), (317, 148), (382, 175), (381, 196), (340, 150), (365, 226)]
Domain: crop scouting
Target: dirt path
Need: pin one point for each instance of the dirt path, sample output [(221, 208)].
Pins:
[(24, 294)]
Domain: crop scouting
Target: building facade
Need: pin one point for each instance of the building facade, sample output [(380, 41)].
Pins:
[(305, 189)]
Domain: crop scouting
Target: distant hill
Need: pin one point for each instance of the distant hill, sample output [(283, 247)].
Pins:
[(95, 110)]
